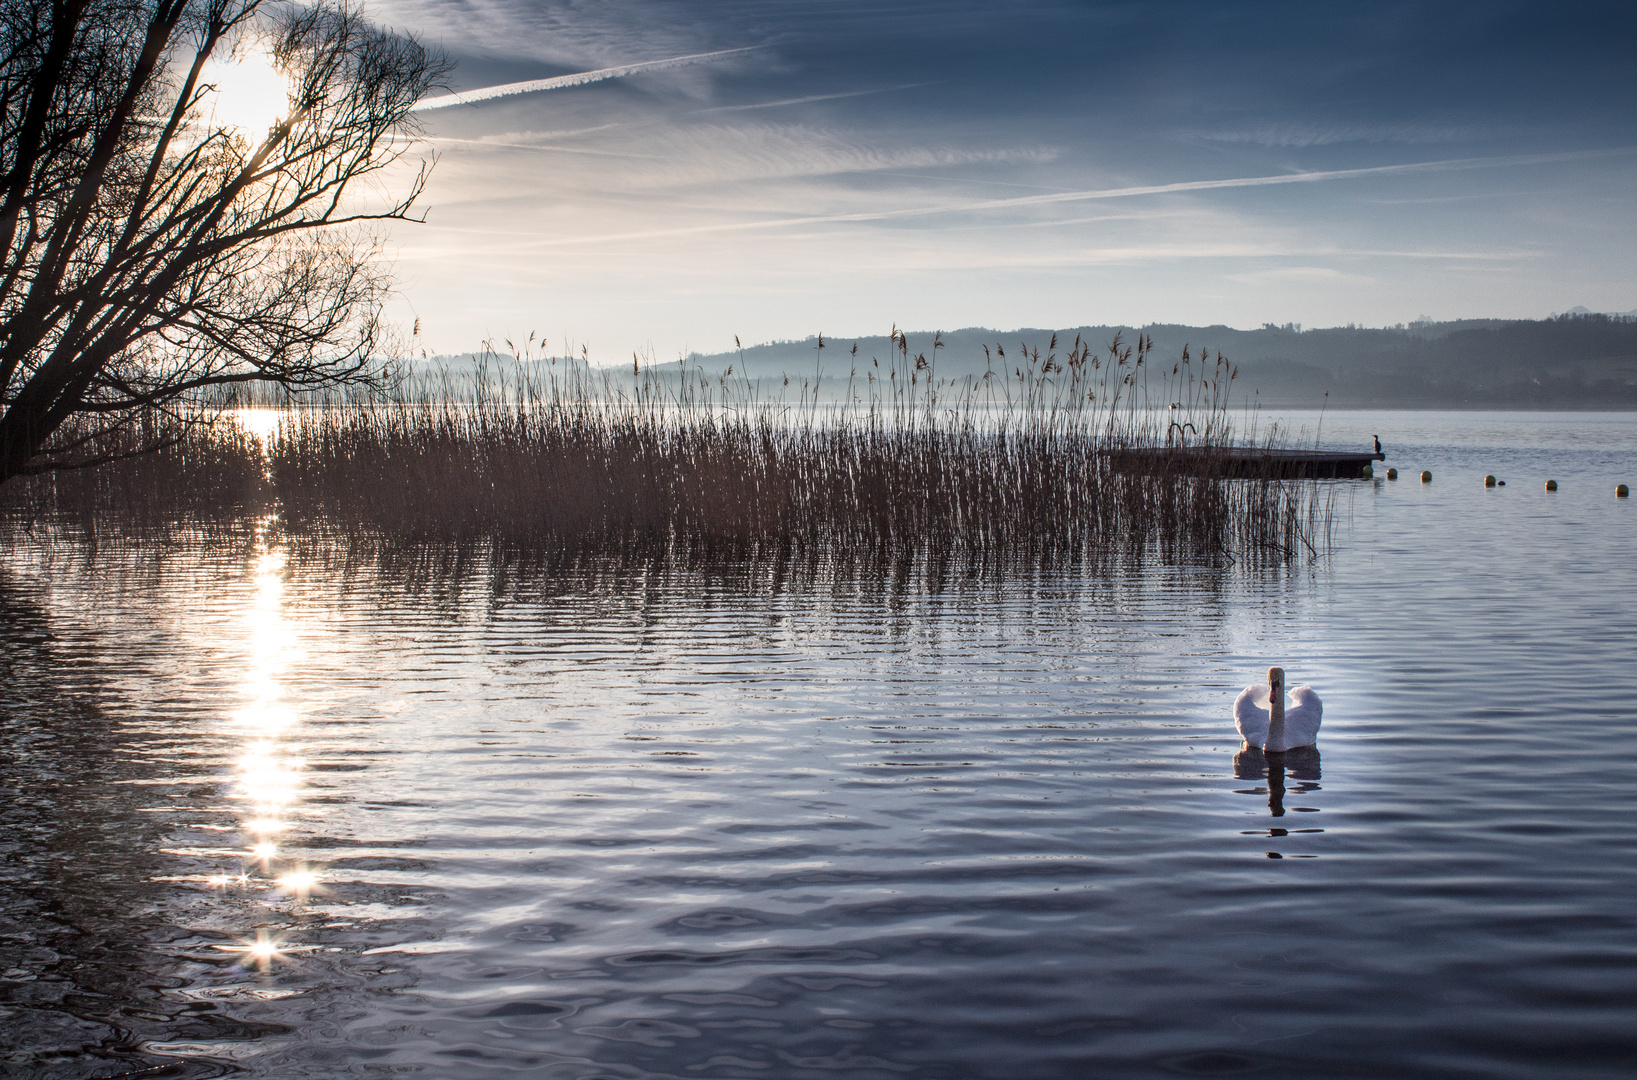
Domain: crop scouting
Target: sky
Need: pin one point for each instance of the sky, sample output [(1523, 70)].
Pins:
[(844, 166)]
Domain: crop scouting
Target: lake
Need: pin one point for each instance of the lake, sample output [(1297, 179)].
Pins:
[(271, 813)]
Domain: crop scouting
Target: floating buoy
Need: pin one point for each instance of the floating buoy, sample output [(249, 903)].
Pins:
[(1489, 481), (1392, 474), (1551, 485), (1426, 477), (1621, 491)]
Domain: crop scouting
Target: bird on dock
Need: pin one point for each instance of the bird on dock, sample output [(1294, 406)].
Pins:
[(1264, 721), (1377, 438)]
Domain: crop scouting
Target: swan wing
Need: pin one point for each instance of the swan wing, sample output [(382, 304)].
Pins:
[(1303, 716), (1250, 718)]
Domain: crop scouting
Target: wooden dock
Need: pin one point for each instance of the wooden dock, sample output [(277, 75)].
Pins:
[(1251, 462)]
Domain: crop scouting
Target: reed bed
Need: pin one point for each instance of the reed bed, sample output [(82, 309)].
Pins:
[(889, 469), (206, 472)]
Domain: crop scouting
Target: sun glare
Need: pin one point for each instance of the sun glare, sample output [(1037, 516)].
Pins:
[(264, 950), (262, 423), (300, 882), (251, 94), (268, 775)]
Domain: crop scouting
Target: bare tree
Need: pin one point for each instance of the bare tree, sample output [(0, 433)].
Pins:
[(153, 252)]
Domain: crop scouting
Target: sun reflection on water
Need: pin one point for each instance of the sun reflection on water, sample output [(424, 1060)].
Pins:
[(268, 774), (264, 949), (262, 424), (300, 883)]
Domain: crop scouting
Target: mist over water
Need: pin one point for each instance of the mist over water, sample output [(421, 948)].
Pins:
[(275, 814)]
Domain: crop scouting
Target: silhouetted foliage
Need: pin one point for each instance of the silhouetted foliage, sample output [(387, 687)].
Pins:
[(150, 251)]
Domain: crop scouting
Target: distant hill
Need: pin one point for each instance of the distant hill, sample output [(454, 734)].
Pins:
[(1572, 361)]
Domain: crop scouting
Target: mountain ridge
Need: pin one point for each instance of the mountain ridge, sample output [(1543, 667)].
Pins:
[(1567, 361), (1571, 361)]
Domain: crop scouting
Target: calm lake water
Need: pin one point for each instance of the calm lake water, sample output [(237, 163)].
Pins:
[(277, 817)]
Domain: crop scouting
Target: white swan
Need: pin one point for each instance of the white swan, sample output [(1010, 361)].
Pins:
[(1263, 720)]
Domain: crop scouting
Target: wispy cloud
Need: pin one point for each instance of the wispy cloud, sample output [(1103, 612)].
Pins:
[(689, 155), (579, 78), (765, 190), (1279, 275), (544, 144), (593, 33), (810, 98), (527, 139), (1414, 133), (1022, 201)]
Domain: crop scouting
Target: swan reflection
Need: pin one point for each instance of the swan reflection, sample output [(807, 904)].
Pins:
[(1301, 765)]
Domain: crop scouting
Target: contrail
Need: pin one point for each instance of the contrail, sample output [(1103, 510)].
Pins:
[(558, 82), (1317, 176), (810, 98), (1312, 177)]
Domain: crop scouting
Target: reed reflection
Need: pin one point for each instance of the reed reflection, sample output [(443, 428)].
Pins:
[(1301, 764)]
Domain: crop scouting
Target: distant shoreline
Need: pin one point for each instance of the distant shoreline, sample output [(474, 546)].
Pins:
[(1570, 363)]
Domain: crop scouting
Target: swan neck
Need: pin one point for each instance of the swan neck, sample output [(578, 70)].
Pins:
[(1276, 719)]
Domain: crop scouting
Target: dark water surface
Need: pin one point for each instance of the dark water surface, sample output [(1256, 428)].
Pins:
[(655, 826)]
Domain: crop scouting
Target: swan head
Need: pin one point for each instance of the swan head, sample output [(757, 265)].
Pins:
[(1276, 681)]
